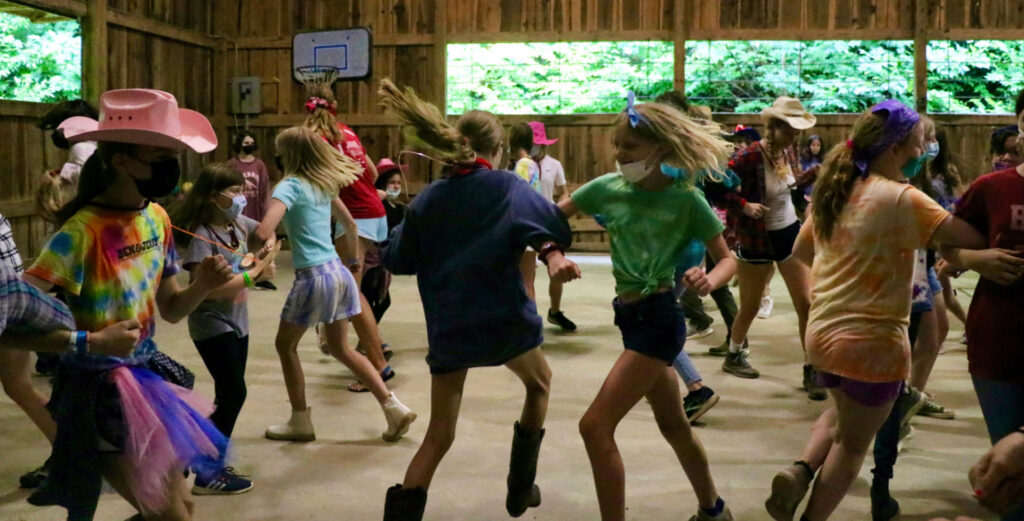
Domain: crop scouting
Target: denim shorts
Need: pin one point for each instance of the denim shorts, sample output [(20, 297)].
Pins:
[(651, 326), (782, 242), (870, 394)]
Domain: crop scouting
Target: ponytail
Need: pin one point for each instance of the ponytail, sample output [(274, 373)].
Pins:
[(321, 119), (476, 132), (839, 173)]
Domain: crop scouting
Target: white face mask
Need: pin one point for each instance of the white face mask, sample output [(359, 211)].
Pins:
[(636, 171)]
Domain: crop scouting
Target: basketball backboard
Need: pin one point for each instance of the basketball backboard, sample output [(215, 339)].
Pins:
[(348, 50)]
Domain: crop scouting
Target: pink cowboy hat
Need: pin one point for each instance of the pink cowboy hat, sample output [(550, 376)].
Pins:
[(386, 165), (540, 136), (143, 117)]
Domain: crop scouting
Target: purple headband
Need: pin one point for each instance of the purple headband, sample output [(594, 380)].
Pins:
[(899, 121)]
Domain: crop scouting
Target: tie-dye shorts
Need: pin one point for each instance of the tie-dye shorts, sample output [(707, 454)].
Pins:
[(322, 294)]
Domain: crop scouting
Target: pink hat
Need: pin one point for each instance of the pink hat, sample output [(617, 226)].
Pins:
[(387, 165), (540, 136), (143, 117)]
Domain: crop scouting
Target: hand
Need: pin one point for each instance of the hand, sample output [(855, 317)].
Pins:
[(754, 210), (999, 265), (697, 280), (268, 272), (562, 269), (212, 272), (116, 339), (267, 247), (998, 477), (944, 268), (353, 265)]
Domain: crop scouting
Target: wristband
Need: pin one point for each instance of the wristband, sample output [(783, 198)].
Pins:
[(248, 280), (546, 250), (78, 343), (743, 202), (353, 260)]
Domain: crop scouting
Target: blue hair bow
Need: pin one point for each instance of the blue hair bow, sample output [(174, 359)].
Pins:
[(635, 118)]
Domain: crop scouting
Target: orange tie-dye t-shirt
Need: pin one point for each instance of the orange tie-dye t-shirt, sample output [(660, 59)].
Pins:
[(862, 281)]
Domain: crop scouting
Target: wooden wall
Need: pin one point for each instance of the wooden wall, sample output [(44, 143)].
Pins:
[(193, 48), (162, 44)]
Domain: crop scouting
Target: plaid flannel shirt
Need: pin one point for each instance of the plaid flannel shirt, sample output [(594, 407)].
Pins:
[(748, 164), (8, 250)]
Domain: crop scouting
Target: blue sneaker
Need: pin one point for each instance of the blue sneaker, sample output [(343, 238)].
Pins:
[(224, 484)]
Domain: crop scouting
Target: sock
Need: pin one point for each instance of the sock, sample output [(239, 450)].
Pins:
[(803, 517), (715, 510), (734, 347), (806, 467)]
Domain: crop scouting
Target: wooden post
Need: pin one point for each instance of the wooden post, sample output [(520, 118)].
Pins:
[(921, 55), (440, 76), (679, 35), (94, 51), (219, 87)]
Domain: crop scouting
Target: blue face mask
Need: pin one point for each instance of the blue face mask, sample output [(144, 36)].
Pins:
[(232, 212), (913, 166), (932, 150), (673, 172)]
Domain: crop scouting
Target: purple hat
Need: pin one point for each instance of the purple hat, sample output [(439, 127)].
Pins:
[(899, 121)]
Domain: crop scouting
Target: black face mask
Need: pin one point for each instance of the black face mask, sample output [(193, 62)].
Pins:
[(162, 181), (59, 140), (248, 149)]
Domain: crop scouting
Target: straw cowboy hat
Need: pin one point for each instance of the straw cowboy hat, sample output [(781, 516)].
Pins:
[(791, 111), (143, 117)]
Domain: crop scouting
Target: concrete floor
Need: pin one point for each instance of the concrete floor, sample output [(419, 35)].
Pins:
[(758, 427)]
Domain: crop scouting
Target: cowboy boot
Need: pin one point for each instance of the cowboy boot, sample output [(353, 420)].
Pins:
[(522, 471), (404, 504)]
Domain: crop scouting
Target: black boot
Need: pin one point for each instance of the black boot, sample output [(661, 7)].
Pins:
[(405, 504), (522, 471), (883, 506)]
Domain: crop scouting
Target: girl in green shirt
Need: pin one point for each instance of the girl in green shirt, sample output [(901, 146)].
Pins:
[(651, 217)]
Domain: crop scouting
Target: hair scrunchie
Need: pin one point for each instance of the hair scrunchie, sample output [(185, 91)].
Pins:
[(314, 103)]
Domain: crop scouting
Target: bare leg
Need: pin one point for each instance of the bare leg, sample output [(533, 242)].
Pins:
[(941, 319), (753, 278), (287, 344), (528, 267), (532, 368), (668, 412), (368, 333), (630, 378), (951, 301), (445, 400), (926, 350), (798, 281), (339, 348), (856, 427), (117, 468), (820, 442), (16, 376), (555, 292)]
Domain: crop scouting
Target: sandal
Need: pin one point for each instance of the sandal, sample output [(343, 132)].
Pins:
[(385, 374), (385, 348)]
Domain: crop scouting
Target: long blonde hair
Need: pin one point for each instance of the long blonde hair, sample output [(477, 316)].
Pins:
[(321, 120), (693, 145), (53, 193), (477, 131), (304, 154)]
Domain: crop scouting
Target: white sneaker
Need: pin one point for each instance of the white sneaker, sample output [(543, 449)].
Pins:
[(701, 333), (767, 305), (298, 428), (399, 418)]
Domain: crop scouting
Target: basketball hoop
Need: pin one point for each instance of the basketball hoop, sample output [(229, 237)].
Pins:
[(315, 75)]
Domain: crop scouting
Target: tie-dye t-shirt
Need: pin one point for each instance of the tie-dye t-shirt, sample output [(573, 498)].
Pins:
[(527, 169), (860, 302), (110, 263)]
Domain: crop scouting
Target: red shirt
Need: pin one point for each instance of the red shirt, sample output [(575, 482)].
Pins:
[(360, 197), (994, 204), (257, 187)]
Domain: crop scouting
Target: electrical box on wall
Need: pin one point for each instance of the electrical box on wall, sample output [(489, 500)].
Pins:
[(245, 95)]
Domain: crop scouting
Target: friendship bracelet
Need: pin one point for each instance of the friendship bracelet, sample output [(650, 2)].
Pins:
[(248, 280), (78, 343)]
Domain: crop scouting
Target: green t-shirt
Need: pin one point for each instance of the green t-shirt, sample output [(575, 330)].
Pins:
[(649, 231)]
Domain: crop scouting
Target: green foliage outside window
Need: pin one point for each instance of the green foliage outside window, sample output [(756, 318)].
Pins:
[(39, 61), (832, 76)]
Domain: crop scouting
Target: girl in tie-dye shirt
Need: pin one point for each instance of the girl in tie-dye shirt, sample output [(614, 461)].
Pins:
[(866, 223)]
